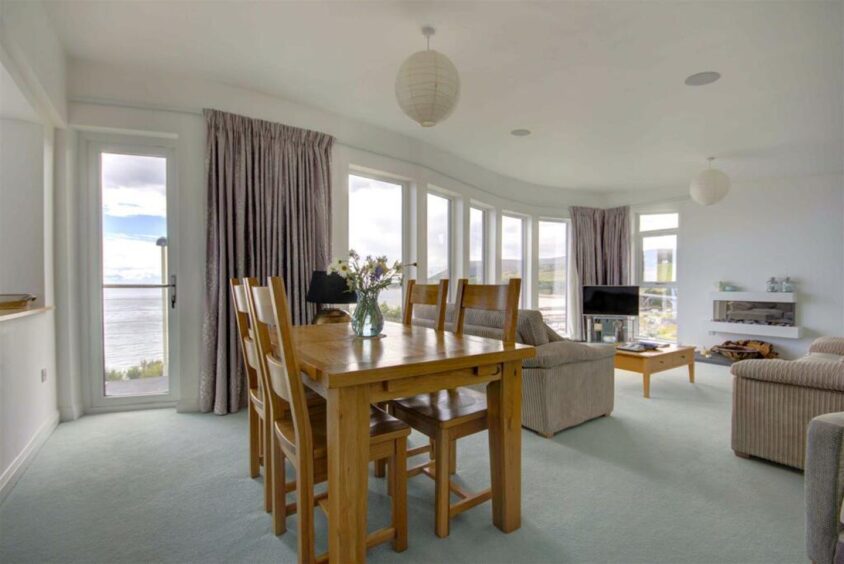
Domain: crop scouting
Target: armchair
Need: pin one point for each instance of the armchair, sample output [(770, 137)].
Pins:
[(824, 486), (774, 401)]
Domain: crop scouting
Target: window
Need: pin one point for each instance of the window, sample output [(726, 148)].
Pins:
[(135, 305), (477, 246), (657, 271), (375, 228), (439, 229), (553, 281), (512, 248)]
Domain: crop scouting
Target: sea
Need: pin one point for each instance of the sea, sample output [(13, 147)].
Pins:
[(133, 325)]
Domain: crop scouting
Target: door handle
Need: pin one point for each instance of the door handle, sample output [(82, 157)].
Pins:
[(172, 291)]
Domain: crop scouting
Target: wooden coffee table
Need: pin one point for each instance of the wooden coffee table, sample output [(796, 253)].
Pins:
[(651, 362)]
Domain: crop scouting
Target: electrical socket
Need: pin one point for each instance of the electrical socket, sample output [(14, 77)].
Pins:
[(43, 375)]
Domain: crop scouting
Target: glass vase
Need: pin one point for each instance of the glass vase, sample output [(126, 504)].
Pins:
[(367, 321)]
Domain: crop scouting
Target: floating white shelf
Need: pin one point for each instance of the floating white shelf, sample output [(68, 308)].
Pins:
[(773, 297), (754, 328)]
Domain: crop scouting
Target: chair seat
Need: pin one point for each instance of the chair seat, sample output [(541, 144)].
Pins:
[(444, 407), (382, 427)]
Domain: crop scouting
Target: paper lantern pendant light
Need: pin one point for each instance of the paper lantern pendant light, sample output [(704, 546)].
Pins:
[(427, 86), (710, 186)]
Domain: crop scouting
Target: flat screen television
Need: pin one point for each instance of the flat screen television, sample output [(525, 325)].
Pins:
[(611, 300)]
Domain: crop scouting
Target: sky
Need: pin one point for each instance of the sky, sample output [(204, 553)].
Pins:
[(134, 212)]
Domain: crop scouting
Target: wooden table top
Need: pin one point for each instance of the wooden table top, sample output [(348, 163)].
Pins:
[(659, 352), (332, 354)]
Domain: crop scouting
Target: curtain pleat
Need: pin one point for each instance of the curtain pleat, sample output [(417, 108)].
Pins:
[(601, 245), (268, 214)]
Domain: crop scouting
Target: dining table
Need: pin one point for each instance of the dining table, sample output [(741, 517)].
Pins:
[(352, 373)]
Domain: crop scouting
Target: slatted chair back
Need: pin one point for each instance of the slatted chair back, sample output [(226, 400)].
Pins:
[(426, 294), (244, 331), (489, 297), (287, 391)]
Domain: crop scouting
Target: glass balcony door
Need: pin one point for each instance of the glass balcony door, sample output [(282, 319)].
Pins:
[(134, 296)]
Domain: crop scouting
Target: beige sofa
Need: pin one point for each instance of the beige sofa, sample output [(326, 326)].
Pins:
[(774, 401), (824, 486), (565, 384)]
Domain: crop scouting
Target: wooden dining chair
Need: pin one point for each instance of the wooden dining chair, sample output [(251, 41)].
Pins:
[(420, 294), (300, 436), (257, 415), (449, 415)]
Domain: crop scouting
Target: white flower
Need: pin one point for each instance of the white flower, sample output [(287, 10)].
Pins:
[(343, 270)]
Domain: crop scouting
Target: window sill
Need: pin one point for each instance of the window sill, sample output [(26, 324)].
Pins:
[(8, 315)]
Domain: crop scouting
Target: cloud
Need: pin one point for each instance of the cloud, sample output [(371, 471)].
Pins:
[(130, 259), (134, 185)]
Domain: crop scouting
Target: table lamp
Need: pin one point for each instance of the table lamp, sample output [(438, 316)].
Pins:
[(329, 289)]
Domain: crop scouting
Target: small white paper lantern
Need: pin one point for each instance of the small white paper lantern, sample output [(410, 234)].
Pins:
[(710, 186), (427, 86)]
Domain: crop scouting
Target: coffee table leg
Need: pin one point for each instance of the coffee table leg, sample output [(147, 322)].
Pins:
[(692, 371), (646, 384)]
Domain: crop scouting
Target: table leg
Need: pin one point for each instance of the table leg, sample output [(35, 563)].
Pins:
[(646, 384), (348, 461), (504, 402), (692, 371)]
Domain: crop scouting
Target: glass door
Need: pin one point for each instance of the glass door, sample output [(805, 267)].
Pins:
[(135, 304)]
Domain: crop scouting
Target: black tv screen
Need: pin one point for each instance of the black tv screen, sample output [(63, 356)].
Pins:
[(611, 300)]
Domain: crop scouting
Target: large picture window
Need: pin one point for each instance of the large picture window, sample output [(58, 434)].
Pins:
[(657, 273), (439, 238), (512, 248), (477, 246), (553, 279), (375, 228)]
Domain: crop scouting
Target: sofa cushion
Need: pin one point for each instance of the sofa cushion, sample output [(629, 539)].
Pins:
[(807, 372), (554, 354), (530, 328)]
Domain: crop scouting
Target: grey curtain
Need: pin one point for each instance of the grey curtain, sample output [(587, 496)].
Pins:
[(601, 245), (268, 213)]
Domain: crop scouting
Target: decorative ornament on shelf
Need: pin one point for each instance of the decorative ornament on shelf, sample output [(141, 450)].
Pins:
[(427, 85), (366, 278), (710, 186)]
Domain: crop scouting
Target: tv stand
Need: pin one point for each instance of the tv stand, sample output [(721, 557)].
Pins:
[(610, 328)]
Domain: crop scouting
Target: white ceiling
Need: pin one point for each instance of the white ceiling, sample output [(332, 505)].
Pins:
[(600, 84)]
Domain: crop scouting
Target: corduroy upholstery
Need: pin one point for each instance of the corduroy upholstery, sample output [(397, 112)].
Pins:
[(567, 382), (824, 486), (774, 401)]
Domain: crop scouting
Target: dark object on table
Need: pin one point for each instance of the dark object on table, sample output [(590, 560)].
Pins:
[(329, 289), (611, 300)]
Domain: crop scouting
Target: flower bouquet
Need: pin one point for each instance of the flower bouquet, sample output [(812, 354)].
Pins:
[(366, 278)]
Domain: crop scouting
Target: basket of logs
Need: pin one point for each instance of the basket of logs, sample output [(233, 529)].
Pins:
[(743, 350)]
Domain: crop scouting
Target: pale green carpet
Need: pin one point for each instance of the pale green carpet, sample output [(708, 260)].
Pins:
[(656, 482)]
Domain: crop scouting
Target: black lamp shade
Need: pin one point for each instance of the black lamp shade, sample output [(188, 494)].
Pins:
[(329, 289)]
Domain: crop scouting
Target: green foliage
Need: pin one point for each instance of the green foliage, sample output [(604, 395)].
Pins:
[(147, 369), (391, 313)]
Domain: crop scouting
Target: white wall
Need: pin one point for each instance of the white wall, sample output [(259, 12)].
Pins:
[(779, 227), (22, 208)]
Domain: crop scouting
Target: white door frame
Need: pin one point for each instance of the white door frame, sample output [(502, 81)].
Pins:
[(91, 146)]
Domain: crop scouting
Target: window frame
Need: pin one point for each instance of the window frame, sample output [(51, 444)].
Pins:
[(567, 223), (526, 259), (451, 230), (640, 261)]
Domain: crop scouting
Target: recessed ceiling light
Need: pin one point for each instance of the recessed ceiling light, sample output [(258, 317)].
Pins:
[(702, 78), (520, 132)]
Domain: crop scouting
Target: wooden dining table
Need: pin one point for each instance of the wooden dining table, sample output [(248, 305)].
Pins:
[(352, 373)]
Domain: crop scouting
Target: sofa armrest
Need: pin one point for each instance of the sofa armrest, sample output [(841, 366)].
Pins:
[(824, 485), (807, 373), (567, 352), (831, 345)]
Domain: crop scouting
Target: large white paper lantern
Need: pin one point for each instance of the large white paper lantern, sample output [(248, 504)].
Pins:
[(427, 86), (710, 186)]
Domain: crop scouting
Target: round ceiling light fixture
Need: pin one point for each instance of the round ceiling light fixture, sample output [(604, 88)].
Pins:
[(520, 132), (710, 186), (427, 86), (702, 78)]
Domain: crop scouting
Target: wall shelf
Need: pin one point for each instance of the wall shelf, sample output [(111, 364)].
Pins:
[(773, 297), (755, 329)]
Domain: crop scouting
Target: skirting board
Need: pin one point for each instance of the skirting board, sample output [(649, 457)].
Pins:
[(19, 465)]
